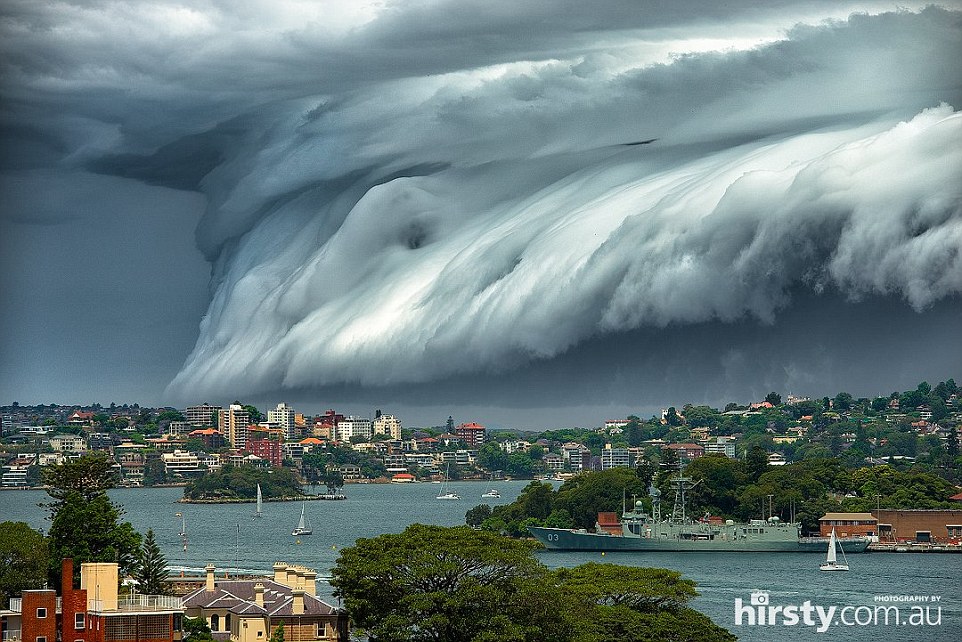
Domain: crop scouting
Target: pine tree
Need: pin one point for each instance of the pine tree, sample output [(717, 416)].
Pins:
[(151, 572)]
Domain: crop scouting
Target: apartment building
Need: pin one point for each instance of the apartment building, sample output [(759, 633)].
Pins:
[(233, 422), (387, 425), (285, 418), (202, 416), (353, 427)]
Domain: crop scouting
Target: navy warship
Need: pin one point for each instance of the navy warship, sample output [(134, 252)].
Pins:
[(641, 531)]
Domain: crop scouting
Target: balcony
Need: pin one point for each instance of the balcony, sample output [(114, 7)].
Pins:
[(12, 635), (16, 604), (140, 604)]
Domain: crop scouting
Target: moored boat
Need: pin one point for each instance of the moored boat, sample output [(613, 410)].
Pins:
[(641, 531)]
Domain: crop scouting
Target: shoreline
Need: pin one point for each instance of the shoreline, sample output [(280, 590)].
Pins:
[(266, 500)]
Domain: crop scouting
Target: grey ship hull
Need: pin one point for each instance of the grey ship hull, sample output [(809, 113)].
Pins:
[(559, 539)]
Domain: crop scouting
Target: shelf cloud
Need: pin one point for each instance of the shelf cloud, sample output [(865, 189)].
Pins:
[(409, 193)]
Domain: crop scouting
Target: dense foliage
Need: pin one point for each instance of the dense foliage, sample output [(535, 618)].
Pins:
[(575, 504), (23, 560), (85, 524), (447, 584), (730, 488), (240, 482)]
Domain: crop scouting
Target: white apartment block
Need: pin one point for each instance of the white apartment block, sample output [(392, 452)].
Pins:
[(68, 443), (723, 445), (181, 462), (388, 425), (233, 423), (353, 427), (283, 416), (615, 458)]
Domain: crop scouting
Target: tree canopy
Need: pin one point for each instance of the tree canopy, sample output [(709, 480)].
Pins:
[(240, 482), (23, 560), (85, 524), (455, 584)]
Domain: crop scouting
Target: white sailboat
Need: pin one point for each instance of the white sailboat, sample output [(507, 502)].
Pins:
[(304, 524), (831, 563), (183, 529), (491, 494), (442, 494), (259, 512)]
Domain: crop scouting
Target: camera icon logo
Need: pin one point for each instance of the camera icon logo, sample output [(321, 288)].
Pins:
[(759, 598)]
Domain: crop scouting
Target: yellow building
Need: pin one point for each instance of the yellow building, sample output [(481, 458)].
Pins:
[(249, 610)]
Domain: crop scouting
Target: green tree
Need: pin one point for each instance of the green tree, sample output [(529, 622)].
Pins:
[(85, 524), (196, 629), (23, 560), (492, 457), (774, 398), (477, 515), (756, 463), (435, 583), (278, 634), (151, 571)]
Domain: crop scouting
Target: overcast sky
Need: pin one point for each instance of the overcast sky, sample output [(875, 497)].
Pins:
[(527, 214)]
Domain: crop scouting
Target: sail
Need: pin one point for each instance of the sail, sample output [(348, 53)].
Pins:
[(831, 548), (301, 525), (260, 500)]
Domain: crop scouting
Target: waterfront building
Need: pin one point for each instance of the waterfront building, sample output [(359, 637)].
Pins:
[(250, 610), (233, 423), (937, 526), (182, 463), (472, 434), (848, 524), (553, 462), (284, 417), (202, 416), (387, 425)]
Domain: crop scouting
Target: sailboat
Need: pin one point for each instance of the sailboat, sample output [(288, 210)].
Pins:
[(304, 524), (448, 494), (831, 563), (259, 512), (183, 529)]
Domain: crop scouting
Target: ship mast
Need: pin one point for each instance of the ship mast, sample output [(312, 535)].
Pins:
[(681, 484)]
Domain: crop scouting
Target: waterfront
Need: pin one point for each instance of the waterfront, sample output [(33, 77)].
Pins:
[(226, 535)]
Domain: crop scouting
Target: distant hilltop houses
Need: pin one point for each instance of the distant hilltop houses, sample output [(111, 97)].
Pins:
[(155, 446)]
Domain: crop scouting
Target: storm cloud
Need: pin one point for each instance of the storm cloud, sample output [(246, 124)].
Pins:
[(399, 196)]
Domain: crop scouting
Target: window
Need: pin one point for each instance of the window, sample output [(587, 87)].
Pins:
[(42, 638), (260, 634), (41, 613), (78, 621), (215, 622)]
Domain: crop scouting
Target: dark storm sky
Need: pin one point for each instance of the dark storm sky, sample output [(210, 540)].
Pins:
[(442, 207)]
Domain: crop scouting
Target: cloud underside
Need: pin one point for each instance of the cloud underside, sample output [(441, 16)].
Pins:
[(438, 226), (406, 193)]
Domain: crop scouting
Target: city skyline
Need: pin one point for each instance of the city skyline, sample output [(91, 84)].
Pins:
[(525, 216)]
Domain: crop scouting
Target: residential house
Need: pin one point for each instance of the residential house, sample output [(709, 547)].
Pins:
[(250, 610)]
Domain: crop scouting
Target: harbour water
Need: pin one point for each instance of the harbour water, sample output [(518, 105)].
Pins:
[(228, 536)]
